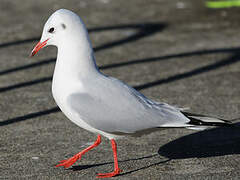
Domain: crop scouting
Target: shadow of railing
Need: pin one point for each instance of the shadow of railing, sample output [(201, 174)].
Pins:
[(145, 30), (142, 30), (25, 84), (29, 116), (228, 61), (82, 167), (231, 60), (5, 45), (130, 62), (28, 66), (172, 56)]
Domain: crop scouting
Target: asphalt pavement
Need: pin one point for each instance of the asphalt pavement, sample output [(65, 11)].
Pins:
[(177, 52)]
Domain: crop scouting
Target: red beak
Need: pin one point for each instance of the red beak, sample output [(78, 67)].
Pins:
[(38, 46)]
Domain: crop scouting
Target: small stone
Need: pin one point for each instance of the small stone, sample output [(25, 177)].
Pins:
[(180, 5), (35, 158)]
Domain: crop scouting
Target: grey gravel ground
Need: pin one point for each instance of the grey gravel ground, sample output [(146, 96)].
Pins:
[(173, 51)]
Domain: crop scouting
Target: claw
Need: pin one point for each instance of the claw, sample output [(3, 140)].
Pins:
[(69, 162)]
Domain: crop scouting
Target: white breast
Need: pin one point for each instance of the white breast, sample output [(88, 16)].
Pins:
[(61, 89)]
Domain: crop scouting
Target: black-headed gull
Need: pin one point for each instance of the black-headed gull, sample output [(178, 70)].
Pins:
[(99, 103)]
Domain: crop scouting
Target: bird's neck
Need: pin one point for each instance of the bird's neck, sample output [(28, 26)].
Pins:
[(75, 58)]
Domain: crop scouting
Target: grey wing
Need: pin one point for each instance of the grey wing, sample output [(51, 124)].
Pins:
[(122, 109)]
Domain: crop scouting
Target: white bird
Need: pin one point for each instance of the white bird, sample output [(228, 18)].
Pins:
[(99, 103)]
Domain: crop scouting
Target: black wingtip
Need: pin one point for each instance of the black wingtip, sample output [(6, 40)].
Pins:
[(198, 122)]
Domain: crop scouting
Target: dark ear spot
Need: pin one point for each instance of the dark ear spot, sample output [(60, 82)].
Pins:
[(64, 26)]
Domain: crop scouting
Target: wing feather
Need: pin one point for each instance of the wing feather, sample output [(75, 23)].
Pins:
[(116, 107)]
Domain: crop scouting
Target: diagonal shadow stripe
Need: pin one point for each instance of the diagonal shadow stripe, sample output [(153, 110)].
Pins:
[(234, 59), (4, 45), (144, 30), (25, 84), (29, 66), (168, 57), (29, 116)]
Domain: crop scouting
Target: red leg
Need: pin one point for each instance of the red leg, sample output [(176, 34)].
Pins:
[(116, 168), (67, 163)]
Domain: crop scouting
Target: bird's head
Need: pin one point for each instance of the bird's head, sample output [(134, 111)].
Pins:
[(60, 25)]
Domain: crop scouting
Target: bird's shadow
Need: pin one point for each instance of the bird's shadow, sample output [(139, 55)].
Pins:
[(208, 143)]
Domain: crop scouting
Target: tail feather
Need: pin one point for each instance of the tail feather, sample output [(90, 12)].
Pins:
[(203, 120)]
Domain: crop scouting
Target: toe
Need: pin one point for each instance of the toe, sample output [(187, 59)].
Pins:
[(107, 175), (62, 161)]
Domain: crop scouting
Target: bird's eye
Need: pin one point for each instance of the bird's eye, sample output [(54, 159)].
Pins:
[(51, 30)]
